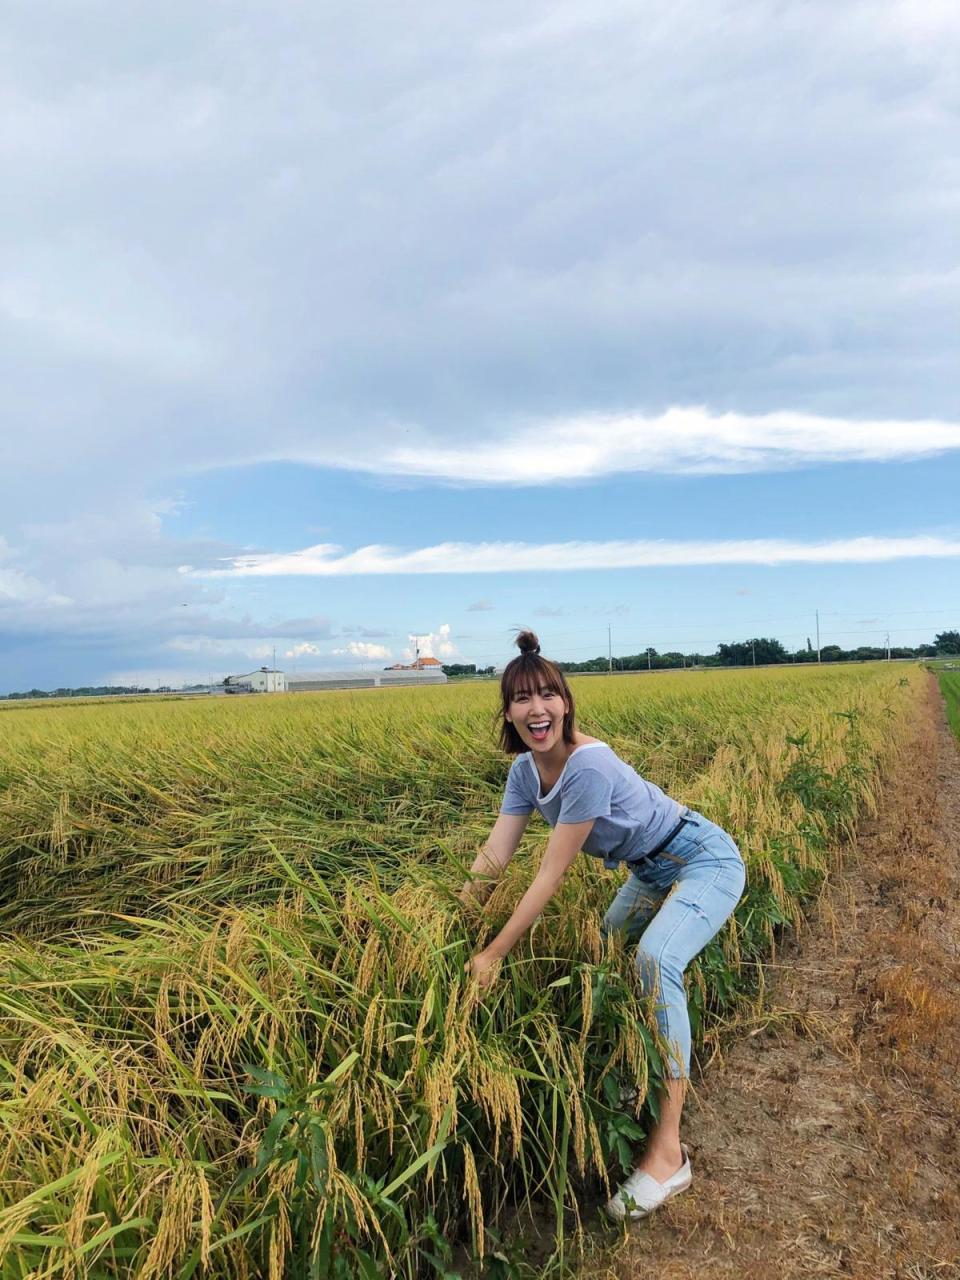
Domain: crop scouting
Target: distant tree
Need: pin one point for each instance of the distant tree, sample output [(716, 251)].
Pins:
[(867, 653), (591, 664), (947, 642), (733, 655), (770, 651), (744, 652)]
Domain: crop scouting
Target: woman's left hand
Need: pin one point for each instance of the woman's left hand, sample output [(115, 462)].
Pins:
[(484, 968)]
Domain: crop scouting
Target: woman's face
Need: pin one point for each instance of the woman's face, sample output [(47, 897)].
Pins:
[(537, 715)]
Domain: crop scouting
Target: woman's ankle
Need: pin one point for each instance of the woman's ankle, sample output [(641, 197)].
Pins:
[(664, 1149)]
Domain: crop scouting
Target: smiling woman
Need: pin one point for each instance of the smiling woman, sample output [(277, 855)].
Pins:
[(685, 876)]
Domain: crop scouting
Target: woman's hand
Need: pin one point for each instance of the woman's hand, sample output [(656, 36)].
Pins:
[(472, 894), (484, 968)]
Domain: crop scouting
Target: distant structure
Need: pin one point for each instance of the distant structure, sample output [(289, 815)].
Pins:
[(266, 680), (314, 681)]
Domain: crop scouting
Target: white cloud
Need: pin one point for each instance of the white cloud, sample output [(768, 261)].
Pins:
[(330, 561), (20, 588), (435, 644), (302, 650), (363, 649), (690, 440)]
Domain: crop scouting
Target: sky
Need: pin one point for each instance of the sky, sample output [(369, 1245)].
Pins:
[(330, 332)]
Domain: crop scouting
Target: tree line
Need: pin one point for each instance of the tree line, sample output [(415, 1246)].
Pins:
[(763, 651), (760, 651)]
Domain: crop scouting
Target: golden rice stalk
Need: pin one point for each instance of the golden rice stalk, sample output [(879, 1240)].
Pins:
[(471, 1193)]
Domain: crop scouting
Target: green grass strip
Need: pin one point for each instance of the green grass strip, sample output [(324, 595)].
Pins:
[(950, 688)]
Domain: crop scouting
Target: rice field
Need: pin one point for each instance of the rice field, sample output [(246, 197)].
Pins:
[(950, 688), (235, 1035)]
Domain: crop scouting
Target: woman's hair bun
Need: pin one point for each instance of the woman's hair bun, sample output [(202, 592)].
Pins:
[(527, 642)]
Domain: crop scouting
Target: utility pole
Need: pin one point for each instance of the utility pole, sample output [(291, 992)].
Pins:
[(887, 643), (609, 651), (416, 642), (818, 635), (753, 650), (649, 659)]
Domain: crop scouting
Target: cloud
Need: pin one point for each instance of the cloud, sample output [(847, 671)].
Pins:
[(480, 606), (363, 649), (330, 561), (689, 441), (302, 650), (549, 230), (435, 644), (210, 646), (640, 215)]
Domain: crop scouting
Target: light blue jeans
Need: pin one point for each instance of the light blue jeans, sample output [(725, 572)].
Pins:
[(703, 867)]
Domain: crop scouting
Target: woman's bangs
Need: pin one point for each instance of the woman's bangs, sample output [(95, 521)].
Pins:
[(532, 676)]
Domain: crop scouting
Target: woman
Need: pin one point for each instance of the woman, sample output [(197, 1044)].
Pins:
[(597, 803)]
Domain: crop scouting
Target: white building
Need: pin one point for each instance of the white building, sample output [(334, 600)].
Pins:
[(266, 680)]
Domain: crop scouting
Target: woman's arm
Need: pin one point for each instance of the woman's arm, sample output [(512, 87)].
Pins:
[(564, 845), (495, 856)]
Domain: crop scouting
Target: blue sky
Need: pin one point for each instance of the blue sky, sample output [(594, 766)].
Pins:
[(318, 330)]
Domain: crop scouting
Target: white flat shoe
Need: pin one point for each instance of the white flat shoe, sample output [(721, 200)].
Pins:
[(641, 1193)]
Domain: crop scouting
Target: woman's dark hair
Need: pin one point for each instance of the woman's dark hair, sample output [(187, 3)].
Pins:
[(523, 675)]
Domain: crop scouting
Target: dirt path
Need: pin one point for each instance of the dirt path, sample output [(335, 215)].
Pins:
[(828, 1144)]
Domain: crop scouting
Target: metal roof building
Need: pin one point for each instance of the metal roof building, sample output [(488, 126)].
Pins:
[(265, 680), (314, 681)]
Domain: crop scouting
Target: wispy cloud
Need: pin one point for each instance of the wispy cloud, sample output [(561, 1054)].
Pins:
[(684, 440), (326, 560)]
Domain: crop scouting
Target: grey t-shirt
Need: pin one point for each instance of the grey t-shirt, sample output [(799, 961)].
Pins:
[(632, 815)]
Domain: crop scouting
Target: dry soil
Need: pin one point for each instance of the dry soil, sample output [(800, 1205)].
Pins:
[(825, 1143)]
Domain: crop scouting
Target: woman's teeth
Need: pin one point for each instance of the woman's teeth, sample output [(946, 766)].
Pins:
[(540, 731)]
